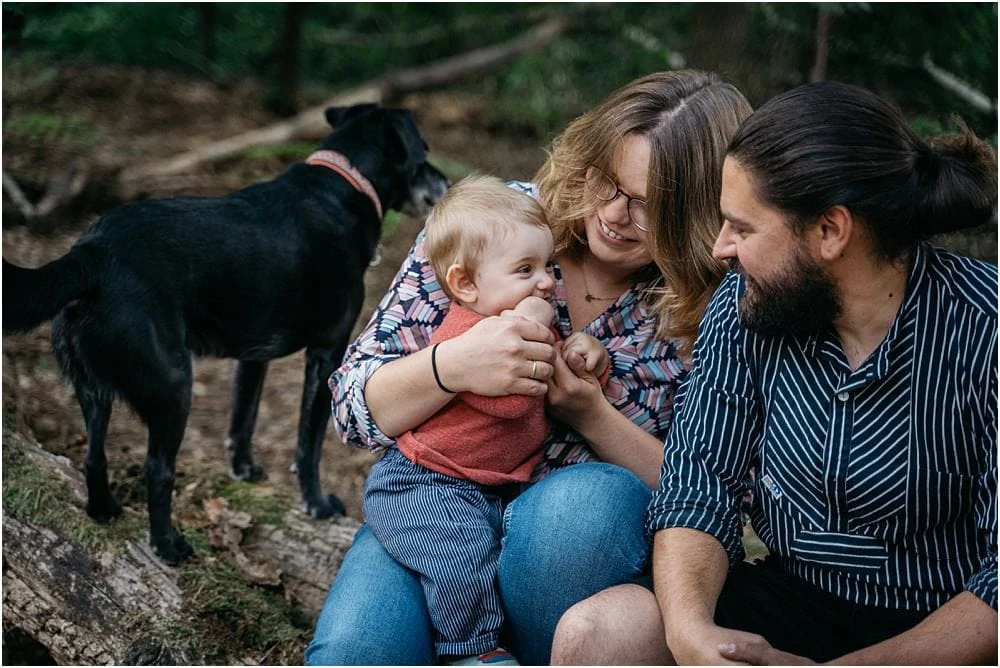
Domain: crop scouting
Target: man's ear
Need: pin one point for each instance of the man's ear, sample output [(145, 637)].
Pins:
[(461, 284), (837, 226)]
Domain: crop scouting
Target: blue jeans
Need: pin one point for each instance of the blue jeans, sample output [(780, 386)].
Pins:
[(574, 533)]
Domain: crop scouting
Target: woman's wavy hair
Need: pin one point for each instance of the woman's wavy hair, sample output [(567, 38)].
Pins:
[(829, 143), (688, 118)]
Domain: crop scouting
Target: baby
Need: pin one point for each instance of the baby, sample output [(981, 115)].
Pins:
[(435, 500)]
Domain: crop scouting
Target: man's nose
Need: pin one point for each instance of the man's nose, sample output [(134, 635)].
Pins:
[(725, 243)]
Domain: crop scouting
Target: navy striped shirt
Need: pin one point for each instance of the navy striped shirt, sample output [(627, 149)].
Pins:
[(878, 485)]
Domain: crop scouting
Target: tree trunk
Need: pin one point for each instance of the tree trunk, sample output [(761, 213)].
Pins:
[(113, 602), (209, 13), (717, 40), (283, 97), (823, 20)]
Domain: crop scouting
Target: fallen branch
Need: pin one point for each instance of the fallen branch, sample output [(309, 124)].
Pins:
[(62, 189), (312, 122), (17, 197)]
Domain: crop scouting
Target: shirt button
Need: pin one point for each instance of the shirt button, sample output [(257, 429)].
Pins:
[(843, 396)]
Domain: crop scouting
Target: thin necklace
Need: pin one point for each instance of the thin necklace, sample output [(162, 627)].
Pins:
[(590, 297)]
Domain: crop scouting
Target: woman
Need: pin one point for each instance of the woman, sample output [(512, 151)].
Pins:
[(631, 190)]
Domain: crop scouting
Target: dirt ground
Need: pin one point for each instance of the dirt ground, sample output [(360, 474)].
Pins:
[(115, 116)]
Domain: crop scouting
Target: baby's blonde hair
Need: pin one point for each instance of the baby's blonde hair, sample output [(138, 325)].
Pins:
[(475, 211)]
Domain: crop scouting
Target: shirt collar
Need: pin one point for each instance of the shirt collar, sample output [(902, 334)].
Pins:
[(826, 344)]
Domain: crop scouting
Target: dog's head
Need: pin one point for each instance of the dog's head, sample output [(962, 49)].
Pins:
[(386, 146)]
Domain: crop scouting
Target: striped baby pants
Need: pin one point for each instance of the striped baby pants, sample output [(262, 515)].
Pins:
[(448, 530)]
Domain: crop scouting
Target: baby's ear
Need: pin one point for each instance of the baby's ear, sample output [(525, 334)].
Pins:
[(461, 284)]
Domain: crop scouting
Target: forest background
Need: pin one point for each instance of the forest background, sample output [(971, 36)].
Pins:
[(93, 92)]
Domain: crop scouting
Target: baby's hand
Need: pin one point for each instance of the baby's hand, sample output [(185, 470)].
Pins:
[(533, 308), (585, 354)]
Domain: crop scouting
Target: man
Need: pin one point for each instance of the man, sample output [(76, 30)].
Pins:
[(846, 373)]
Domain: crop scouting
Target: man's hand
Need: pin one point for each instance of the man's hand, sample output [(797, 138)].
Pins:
[(759, 652), (704, 646)]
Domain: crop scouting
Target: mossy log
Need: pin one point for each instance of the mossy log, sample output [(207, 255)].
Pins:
[(93, 594)]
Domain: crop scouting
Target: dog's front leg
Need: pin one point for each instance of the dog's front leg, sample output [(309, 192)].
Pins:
[(248, 380), (313, 418)]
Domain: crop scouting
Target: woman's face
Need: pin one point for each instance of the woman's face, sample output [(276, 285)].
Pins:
[(611, 236)]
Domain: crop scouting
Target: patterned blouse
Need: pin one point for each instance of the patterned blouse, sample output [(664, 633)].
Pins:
[(645, 371)]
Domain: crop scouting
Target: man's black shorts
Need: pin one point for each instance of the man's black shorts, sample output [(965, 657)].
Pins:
[(800, 618)]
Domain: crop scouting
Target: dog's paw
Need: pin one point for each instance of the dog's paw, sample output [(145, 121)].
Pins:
[(324, 507), (172, 549), (104, 512), (247, 473)]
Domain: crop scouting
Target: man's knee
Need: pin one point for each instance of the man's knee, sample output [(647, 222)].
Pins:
[(578, 634), (618, 626)]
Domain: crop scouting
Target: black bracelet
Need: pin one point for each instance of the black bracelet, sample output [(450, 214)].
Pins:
[(434, 367)]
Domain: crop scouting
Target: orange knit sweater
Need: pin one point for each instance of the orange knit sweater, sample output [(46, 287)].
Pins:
[(488, 440)]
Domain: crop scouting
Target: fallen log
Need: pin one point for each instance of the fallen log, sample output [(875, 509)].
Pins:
[(119, 182), (95, 594), (312, 123)]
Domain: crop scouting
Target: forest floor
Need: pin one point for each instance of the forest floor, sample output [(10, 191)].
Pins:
[(100, 114)]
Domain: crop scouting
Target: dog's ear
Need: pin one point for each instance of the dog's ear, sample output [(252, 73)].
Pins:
[(410, 144), (337, 116)]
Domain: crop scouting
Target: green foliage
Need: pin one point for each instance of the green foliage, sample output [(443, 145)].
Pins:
[(265, 508), (41, 126), (881, 46)]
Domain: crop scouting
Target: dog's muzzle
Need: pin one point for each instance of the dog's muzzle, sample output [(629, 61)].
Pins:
[(427, 186)]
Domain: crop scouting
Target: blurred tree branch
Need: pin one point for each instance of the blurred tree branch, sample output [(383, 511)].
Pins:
[(311, 122), (976, 99)]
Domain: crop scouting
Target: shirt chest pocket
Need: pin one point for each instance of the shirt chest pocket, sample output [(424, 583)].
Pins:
[(946, 466), (939, 498)]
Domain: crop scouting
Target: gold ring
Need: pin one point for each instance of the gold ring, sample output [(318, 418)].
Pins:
[(534, 367)]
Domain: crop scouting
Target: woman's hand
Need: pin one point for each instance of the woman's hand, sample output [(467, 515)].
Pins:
[(572, 398), (498, 356), (578, 401)]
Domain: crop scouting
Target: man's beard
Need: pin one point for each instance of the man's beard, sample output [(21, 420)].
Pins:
[(800, 300)]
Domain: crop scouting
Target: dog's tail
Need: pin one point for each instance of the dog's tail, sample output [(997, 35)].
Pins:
[(34, 296)]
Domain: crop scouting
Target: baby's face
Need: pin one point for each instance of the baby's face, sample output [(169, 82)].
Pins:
[(514, 266)]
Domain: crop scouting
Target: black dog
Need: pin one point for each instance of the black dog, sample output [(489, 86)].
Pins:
[(255, 275)]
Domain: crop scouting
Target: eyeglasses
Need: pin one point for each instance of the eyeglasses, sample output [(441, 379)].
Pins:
[(606, 190)]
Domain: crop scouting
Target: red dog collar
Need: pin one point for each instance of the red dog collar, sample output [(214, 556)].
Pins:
[(340, 164)]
